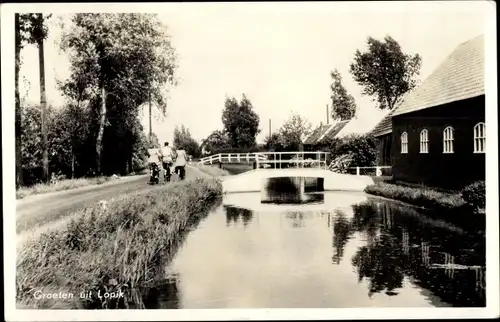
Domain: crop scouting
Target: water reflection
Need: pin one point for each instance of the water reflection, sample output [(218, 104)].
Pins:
[(164, 295), (235, 214), (286, 190), (356, 252), (433, 257)]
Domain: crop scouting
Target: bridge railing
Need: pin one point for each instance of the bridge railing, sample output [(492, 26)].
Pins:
[(231, 157), (284, 160), (377, 171)]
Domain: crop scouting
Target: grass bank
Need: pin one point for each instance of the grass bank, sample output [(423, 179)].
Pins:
[(449, 206), (213, 171), (121, 246)]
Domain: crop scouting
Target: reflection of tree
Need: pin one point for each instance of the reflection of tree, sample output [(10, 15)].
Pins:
[(366, 219), (382, 264), (234, 214), (163, 296), (341, 234), (297, 218), (432, 255)]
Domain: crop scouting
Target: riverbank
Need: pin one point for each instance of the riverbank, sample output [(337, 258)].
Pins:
[(116, 248), (449, 206), (65, 184), (213, 171)]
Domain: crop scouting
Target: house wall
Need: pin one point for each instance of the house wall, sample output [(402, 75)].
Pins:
[(451, 171), (384, 146)]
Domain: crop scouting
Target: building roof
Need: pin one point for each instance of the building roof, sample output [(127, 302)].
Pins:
[(459, 77), (384, 126), (325, 131)]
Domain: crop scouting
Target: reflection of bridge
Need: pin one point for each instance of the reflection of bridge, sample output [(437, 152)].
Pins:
[(285, 164)]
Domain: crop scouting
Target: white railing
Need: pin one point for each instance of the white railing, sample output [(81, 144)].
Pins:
[(378, 171), (280, 160), (231, 157)]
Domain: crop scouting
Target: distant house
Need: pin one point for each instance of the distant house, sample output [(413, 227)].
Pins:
[(324, 132), (437, 135)]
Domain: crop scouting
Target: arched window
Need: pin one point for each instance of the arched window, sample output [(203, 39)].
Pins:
[(480, 138), (424, 141), (404, 142), (448, 140)]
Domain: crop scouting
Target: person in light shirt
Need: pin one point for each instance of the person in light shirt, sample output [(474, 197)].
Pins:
[(180, 164), (168, 156)]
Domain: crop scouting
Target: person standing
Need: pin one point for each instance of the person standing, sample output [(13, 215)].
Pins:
[(180, 164), (168, 156)]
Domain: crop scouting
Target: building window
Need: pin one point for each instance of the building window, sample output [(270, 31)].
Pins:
[(480, 138), (424, 141), (448, 140), (404, 142)]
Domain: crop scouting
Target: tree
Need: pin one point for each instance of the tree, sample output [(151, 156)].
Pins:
[(385, 72), (343, 104), (153, 141), (120, 59), (241, 123), (216, 141), (294, 131), (273, 142), (183, 140), (29, 28)]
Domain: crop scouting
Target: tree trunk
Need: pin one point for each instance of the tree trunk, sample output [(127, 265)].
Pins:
[(17, 66), (43, 103), (72, 163), (100, 134)]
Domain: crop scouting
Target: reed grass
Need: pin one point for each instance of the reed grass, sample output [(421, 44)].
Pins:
[(119, 246)]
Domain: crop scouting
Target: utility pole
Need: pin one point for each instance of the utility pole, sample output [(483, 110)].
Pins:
[(269, 128), (327, 115), (43, 101), (150, 122)]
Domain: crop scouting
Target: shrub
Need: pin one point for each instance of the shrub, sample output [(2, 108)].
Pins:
[(361, 149), (475, 195)]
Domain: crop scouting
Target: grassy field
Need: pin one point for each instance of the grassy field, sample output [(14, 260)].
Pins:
[(121, 246), (64, 185)]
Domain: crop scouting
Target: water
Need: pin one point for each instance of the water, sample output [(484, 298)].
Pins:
[(339, 250)]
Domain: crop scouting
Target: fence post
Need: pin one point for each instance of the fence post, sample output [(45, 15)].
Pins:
[(378, 172), (357, 171), (248, 157), (257, 160), (220, 157), (238, 157)]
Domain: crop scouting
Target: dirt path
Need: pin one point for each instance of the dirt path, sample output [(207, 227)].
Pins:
[(36, 214)]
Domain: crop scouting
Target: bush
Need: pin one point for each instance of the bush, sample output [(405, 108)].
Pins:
[(361, 149), (475, 195)]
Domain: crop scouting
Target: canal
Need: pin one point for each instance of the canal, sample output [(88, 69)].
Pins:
[(322, 250)]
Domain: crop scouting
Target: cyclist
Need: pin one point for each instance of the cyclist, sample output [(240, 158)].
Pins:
[(168, 156)]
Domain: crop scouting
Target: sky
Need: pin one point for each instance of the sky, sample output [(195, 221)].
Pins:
[(278, 54)]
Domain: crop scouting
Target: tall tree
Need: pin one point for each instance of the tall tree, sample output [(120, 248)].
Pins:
[(240, 122), (294, 131), (153, 141), (29, 28), (128, 57), (343, 104), (183, 140), (17, 66), (216, 141), (385, 72)]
